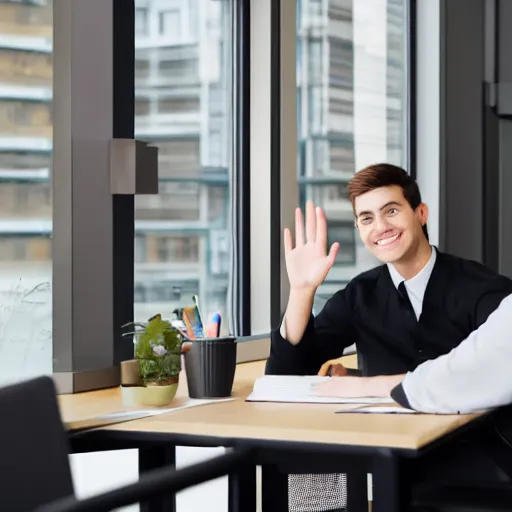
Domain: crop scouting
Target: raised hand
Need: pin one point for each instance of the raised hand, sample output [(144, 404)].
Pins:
[(308, 263)]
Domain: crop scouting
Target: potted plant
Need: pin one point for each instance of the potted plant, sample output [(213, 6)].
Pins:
[(152, 377)]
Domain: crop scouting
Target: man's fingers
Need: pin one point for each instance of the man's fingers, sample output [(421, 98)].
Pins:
[(310, 222), (321, 228), (333, 251), (288, 246), (299, 228)]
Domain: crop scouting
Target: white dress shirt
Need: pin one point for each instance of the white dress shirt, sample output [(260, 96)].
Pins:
[(475, 375), (417, 285)]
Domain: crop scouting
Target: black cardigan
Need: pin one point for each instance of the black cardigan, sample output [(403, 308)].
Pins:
[(459, 297)]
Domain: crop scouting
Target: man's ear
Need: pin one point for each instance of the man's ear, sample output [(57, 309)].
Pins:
[(422, 212)]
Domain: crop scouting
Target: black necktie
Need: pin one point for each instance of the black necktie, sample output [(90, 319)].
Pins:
[(405, 300)]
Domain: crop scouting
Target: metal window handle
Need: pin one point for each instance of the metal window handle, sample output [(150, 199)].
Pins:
[(133, 167)]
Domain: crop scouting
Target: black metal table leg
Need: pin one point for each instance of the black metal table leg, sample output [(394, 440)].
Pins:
[(274, 489), (357, 492), (391, 484), (152, 458), (242, 490)]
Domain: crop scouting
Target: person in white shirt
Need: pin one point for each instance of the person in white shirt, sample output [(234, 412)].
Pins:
[(475, 375)]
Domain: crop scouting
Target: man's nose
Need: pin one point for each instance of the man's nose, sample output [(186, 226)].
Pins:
[(381, 225)]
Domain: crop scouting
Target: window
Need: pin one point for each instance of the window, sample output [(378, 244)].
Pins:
[(142, 106), (179, 70), (141, 68), (25, 190), (141, 21), (315, 7), (351, 78), (176, 249), (182, 237), (175, 105), (170, 23), (25, 117), (30, 68)]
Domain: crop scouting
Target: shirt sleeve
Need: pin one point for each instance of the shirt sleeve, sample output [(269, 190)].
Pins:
[(474, 376), (325, 337)]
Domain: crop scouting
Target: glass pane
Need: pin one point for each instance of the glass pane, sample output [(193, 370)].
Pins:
[(352, 111), (182, 105), (25, 189)]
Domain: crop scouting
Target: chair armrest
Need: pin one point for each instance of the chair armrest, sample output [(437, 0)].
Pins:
[(160, 482)]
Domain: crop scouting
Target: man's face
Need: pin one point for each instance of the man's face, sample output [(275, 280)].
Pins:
[(388, 226)]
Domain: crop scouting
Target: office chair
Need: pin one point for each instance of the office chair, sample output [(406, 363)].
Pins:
[(34, 465)]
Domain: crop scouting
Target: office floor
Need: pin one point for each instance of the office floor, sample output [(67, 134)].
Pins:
[(97, 472)]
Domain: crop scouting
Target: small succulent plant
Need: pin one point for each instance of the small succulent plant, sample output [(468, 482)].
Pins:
[(158, 350)]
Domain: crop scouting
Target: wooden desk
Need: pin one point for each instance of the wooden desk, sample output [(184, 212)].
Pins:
[(306, 434), (79, 408), (312, 423), (83, 409)]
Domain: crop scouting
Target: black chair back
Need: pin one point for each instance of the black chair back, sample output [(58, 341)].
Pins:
[(34, 464)]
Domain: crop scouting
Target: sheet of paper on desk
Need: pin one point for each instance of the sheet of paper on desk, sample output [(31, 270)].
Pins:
[(368, 409), (299, 389), (137, 414)]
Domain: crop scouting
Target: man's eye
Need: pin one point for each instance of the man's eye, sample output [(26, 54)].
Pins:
[(366, 220), (392, 211)]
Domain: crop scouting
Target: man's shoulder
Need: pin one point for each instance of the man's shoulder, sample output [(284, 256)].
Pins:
[(368, 279), (468, 269), (370, 275)]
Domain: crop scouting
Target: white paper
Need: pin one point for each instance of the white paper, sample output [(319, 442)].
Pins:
[(163, 410), (378, 410), (131, 415), (299, 389)]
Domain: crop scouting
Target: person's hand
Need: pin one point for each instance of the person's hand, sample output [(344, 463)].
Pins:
[(186, 346), (337, 368), (358, 387), (342, 387), (308, 263)]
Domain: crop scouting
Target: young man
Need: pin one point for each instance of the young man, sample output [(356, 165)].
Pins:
[(418, 305), (472, 377)]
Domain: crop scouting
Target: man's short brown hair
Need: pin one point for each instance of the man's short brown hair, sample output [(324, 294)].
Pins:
[(385, 175)]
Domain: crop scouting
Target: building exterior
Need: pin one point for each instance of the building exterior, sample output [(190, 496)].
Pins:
[(352, 106), (25, 188), (351, 112), (183, 106)]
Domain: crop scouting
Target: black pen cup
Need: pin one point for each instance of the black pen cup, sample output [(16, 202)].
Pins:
[(210, 365)]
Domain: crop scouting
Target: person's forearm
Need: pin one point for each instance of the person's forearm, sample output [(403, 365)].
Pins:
[(380, 386), (298, 312)]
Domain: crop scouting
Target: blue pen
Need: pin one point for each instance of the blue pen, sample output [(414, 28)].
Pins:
[(216, 320)]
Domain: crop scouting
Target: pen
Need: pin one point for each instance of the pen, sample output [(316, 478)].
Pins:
[(216, 321), (213, 327)]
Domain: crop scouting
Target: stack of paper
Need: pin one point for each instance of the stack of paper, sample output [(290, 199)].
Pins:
[(300, 389)]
